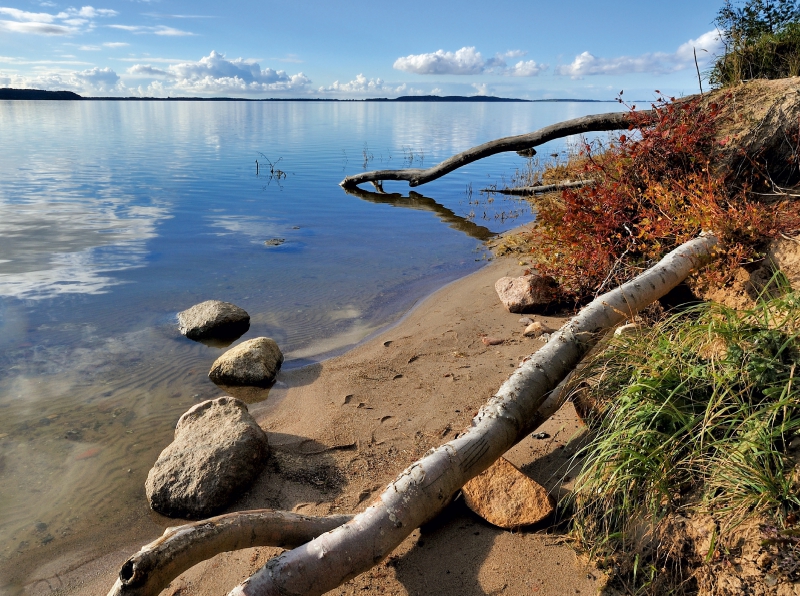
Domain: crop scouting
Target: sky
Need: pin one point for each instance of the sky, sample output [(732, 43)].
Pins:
[(352, 49)]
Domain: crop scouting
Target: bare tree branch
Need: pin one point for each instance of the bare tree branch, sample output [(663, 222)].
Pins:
[(151, 569), (416, 176), (541, 189)]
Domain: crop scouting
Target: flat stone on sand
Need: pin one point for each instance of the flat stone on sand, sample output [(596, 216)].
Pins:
[(254, 362), (505, 497), (213, 318), (521, 294), (217, 452)]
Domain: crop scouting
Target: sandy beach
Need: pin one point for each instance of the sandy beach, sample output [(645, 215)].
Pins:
[(342, 429)]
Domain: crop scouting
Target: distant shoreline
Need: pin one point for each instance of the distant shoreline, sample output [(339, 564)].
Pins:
[(38, 94)]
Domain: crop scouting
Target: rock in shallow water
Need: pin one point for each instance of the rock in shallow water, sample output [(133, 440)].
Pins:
[(521, 294), (218, 450), (254, 362), (213, 318), (505, 497)]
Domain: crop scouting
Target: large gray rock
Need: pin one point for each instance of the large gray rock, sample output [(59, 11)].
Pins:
[(529, 292), (213, 318), (254, 362), (218, 450)]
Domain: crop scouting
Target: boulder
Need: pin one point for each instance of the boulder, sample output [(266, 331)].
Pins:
[(254, 362), (529, 292), (213, 318), (217, 452), (505, 497)]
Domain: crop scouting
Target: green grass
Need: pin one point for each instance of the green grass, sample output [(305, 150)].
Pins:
[(696, 413)]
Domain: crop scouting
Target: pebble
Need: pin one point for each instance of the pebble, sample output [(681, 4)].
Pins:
[(275, 241), (492, 341), (535, 329), (526, 320)]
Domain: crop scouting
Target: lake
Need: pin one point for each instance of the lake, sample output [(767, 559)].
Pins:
[(114, 216)]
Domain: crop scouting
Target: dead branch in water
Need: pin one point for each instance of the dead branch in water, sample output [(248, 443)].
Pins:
[(417, 176), (541, 189)]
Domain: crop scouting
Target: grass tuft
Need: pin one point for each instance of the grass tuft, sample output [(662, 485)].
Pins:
[(695, 414)]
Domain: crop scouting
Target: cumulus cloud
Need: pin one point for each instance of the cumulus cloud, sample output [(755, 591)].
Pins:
[(92, 81), (361, 85), (468, 61), (69, 22), (481, 88), (215, 74), (587, 64)]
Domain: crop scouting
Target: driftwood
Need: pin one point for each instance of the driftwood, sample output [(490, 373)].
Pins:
[(541, 189), (421, 491), (152, 569), (417, 176)]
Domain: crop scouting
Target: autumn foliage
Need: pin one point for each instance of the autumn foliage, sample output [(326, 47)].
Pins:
[(655, 187)]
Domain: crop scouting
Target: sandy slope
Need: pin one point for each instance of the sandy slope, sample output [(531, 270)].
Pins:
[(341, 430)]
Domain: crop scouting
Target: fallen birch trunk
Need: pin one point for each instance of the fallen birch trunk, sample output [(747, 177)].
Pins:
[(417, 176), (421, 491), (541, 189), (152, 569)]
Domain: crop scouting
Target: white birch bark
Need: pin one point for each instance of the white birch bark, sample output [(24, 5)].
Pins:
[(180, 547), (422, 490)]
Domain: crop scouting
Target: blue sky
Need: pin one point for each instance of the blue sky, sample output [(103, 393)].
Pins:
[(355, 49)]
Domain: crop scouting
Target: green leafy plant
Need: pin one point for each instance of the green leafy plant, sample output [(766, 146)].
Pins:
[(762, 41)]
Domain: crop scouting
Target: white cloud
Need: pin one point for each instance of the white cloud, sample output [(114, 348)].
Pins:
[(361, 85), (215, 74), (69, 22), (145, 70), (21, 15), (36, 27), (527, 68), (92, 81), (481, 88), (587, 64), (115, 44), (468, 61), (158, 30), (465, 61), (99, 79)]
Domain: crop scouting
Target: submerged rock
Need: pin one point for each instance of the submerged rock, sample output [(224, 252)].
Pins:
[(213, 318), (505, 497), (218, 450), (529, 292), (254, 362)]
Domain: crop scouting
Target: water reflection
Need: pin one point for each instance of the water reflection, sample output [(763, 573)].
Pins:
[(421, 203), (66, 247)]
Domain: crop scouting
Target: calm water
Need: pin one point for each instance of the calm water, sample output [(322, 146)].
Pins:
[(114, 216)]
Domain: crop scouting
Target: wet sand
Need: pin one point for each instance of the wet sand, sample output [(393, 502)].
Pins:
[(341, 430)]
